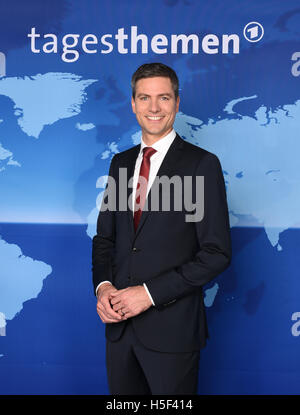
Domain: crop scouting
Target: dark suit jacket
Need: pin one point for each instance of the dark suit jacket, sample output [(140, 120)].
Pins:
[(173, 257)]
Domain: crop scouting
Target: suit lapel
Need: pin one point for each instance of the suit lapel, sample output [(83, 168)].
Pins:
[(167, 168), (130, 163)]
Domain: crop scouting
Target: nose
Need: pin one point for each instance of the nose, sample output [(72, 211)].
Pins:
[(154, 106)]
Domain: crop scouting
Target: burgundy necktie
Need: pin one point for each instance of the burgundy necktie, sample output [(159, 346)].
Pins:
[(141, 189)]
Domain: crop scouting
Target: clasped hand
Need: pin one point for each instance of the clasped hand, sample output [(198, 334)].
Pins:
[(115, 305)]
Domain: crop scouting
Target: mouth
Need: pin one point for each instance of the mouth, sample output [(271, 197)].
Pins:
[(152, 118)]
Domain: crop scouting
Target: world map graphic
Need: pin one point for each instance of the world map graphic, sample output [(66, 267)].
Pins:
[(61, 124)]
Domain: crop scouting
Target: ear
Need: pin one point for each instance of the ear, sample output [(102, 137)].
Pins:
[(133, 104), (177, 104)]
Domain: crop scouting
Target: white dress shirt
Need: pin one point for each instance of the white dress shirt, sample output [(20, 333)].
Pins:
[(161, 146)]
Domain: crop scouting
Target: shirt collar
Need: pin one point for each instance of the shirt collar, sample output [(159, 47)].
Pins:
[(163, 144)]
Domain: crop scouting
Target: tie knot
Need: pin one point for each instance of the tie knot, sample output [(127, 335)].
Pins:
[(148, 152)]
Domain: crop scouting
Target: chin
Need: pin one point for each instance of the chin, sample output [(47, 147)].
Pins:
[(156, 132)]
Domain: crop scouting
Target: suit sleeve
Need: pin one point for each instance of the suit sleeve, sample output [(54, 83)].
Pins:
[(104, 240), (213, 233)]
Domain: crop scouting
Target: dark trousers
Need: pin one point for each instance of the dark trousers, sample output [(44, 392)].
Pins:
[(132, 369)]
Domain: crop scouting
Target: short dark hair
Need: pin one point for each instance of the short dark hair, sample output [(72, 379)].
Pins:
[(151, 70)]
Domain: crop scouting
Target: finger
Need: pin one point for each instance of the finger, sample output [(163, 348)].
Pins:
[(106, 319), (117, 300), (117, 307), (114, 293), (103, 317), (113, 315), (111, 293), (106, 303), (118, 292), (100, 309), (109, 314), (114, 300), (127, 315), (131, 314), (100, 315), (123, 314), (109, 311), (124, 311), (107, 308)]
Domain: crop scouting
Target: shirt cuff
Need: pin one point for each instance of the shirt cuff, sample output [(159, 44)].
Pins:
[(148, 294), (101, 284)]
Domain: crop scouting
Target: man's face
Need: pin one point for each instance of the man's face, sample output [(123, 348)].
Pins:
[(155, 107)]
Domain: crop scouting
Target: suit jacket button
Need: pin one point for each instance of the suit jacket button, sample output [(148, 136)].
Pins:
[(134, 249)]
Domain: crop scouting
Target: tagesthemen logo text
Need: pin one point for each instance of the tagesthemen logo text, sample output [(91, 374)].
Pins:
[(132, 42)]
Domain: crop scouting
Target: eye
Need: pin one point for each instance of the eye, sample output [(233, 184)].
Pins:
[(165, 98), (143, 98)]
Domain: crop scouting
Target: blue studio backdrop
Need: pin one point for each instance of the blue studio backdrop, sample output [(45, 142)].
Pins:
[(65, 69)]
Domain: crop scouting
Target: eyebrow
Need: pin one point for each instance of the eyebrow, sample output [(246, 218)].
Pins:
[(159, 95)]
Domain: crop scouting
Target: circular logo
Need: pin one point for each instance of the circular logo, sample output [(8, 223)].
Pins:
[(253, 32)]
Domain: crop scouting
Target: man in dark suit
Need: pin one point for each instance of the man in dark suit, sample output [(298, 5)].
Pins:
[(150, 264)]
